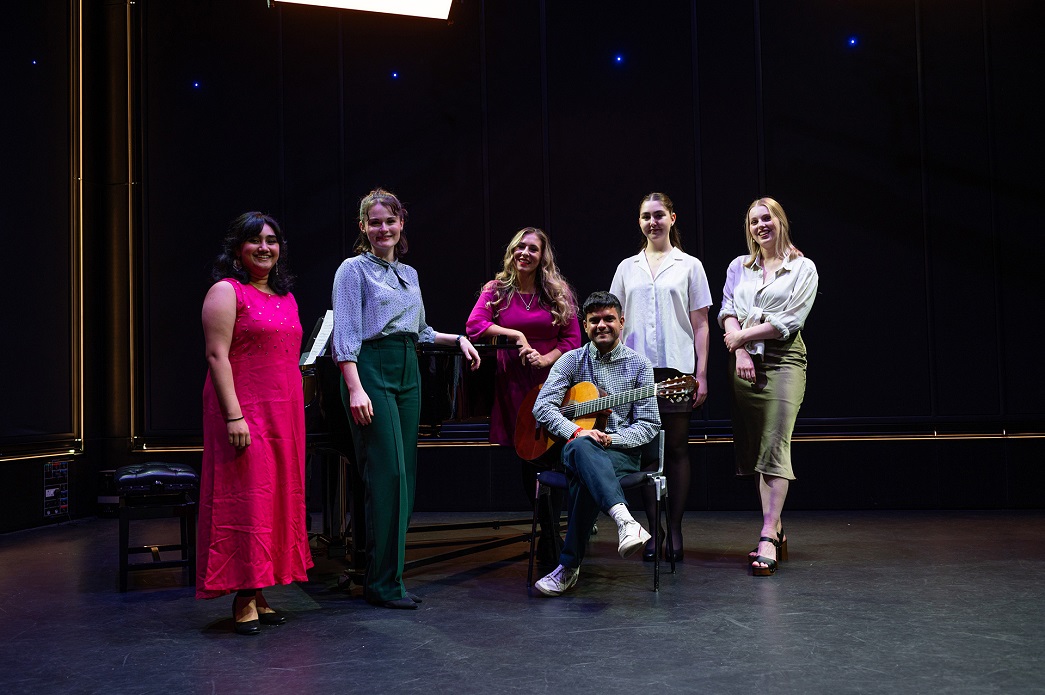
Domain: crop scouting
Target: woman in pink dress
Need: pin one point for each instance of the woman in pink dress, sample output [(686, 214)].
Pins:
[(531, 304), (252, 496)]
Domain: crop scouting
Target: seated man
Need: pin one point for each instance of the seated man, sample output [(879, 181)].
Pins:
[(596, 460)]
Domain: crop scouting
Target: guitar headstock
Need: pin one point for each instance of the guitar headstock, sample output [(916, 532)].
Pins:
[(677, 389)]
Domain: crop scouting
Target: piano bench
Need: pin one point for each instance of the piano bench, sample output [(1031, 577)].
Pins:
[(157, 490)]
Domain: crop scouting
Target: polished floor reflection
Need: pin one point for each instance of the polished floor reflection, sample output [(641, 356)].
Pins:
[(869, 602)]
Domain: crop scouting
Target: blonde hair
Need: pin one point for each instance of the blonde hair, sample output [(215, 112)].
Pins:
[(784, 246), (552, 289)]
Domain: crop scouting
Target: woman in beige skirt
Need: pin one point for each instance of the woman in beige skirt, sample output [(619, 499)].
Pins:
[(766, 299)]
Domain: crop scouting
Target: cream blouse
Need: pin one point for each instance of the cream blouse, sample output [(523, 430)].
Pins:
[(784, 300)]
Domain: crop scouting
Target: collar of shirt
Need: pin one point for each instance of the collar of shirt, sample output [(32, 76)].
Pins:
[(610, 356), (393, 266), (675, 254), (788, 264)]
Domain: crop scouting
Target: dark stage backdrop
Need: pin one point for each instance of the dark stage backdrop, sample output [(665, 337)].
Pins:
[(894, 133), (898, 134)]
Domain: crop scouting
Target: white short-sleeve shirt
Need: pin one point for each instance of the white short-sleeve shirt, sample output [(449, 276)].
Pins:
[(656, 310)]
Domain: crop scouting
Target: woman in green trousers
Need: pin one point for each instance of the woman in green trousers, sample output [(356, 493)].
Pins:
[(379, 317)]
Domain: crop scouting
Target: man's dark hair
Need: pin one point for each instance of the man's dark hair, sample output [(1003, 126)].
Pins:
[(602, 300)]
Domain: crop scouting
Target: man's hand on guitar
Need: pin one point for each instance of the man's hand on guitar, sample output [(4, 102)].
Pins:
[(598, 435)]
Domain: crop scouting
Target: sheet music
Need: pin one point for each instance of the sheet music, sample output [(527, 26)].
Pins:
[(319, 346)]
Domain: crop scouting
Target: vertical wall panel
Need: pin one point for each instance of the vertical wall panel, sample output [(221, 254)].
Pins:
[(36, 357), (617, 130), (318, 231), (420, 135), (211, 103), (842, 157), (729, 161), (514, 110), (962, 241), (1019, 189)]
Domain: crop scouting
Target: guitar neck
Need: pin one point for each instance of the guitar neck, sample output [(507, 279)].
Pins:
[(576, 410)]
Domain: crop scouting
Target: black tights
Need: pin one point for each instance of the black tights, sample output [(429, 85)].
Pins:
[(676, 468)]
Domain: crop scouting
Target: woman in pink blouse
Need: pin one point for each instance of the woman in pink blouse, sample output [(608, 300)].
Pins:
[(531, 304), (765, 302)]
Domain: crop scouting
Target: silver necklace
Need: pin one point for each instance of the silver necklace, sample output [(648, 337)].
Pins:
[(527, 304)]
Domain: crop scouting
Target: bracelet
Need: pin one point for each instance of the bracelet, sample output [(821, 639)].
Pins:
[(459, 339), (227, 420)]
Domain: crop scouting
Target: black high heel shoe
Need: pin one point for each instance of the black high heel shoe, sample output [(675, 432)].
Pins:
[(273, 617), (676, 554), (649, 553), (782, 548), (770, 563), (244, 627)]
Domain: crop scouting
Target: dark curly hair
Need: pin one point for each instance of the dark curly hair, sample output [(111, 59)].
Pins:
[(244, 227)]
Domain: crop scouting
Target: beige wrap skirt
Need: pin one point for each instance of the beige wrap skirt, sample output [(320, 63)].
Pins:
[(764, 412)]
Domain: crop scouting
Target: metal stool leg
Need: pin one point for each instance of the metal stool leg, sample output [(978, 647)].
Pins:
[(124, 541), (533, 534)]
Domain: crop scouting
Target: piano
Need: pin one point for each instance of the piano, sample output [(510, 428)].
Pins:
[(455, 407)]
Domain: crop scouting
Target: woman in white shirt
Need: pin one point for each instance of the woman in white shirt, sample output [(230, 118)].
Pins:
[(666, 297), (765, 302)]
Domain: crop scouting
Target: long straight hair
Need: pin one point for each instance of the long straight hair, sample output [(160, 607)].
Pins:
[(673, 234), (784, 246)]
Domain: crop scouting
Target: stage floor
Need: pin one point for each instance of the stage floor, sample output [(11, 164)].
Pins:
[(877, 602)]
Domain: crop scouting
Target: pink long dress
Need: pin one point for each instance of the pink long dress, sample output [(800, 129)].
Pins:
[(252, 501), (512, 379)]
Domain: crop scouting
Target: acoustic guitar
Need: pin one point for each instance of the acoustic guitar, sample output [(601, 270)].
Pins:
[(587, 406)]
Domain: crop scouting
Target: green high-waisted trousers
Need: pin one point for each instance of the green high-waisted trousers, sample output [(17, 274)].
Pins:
[(386, 454)]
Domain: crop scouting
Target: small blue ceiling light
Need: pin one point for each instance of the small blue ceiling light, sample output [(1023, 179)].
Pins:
[(853, 41), (618, 59), (395, 75), (195, 85), (34, 62)]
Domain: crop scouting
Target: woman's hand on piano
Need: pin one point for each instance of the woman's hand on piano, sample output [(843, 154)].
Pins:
[(469, 351)]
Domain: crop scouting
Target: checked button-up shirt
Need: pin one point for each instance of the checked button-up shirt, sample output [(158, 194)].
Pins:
[(629, 425)]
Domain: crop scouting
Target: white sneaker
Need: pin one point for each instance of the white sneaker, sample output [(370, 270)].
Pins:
[(560, 580), (632, 537)]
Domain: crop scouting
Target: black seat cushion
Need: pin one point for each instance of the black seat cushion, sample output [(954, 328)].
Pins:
[(155, 477)]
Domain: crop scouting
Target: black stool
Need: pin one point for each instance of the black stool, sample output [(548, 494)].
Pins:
[(157, 491)]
